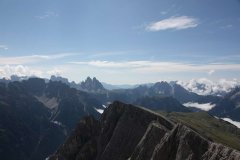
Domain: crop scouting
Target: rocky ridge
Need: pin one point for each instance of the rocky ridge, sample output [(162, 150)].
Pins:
[(127, 132)]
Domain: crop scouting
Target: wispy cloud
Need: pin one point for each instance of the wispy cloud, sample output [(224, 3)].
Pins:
[(155, 66), (4, 60), (176, 23), (112, 64), (47, 14), (3, 47), (163, 12), (211, 72), (228, 26)]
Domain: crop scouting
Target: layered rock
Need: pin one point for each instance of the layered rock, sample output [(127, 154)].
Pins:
[(129, 132)]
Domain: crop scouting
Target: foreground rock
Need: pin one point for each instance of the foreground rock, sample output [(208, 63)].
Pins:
[(127, 132)]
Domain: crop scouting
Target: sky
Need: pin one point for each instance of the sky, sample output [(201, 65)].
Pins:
[(121, 42)]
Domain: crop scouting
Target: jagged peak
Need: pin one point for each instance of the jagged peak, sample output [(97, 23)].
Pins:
[(131, 132)]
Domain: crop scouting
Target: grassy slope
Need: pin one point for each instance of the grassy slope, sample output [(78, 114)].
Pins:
[(208, 126)]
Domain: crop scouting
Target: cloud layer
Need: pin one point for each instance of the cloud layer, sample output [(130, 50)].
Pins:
[(177, 23), (19, 70), (17, 60), (204, 86), (158, 66), (204, 107)]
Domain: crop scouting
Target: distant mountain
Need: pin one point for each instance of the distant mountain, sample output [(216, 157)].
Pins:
[(25, 129), (124, 86), (229, 106), (168, 104), (92, 85), (59, 79), (130, 95), (129, 132), (35, 116), (112, 87), (89, 85), (4, 80), (160, 89)]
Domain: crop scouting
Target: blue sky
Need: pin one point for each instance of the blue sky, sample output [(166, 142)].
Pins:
[(119, 42)]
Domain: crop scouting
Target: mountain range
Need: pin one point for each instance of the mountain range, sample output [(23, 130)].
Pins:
[(37, 115), (202, 86), (229, 106)]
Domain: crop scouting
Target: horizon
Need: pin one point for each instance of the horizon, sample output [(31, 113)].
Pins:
[(121, 42), (222, 85)]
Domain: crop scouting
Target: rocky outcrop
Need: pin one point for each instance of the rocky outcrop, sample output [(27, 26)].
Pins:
[(180, 144), (82, 144), (122, 127), (92, 85), (151, 138), (127, 132)]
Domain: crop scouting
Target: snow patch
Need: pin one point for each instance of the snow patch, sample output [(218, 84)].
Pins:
[(48, 102), (204, 106), (99, 110), (57, 123), (235, 123)]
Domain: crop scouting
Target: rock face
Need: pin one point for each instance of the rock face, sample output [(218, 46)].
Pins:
[(36, 117), (82, 144), (127, 132), (92, 85), (229, 106)]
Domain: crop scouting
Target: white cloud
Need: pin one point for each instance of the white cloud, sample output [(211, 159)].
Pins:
[(3, 47), (236, 123), (29, 59), (177, 23), (55, 71), (19, 70), (48, 14), (204, 107), (23, 70), (204, 86)]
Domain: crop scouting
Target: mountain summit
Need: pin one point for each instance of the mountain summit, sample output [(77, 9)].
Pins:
[(92, 85), (129, 132)]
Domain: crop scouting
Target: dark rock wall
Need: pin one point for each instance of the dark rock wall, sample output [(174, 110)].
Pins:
[(127, 132)]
